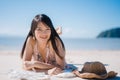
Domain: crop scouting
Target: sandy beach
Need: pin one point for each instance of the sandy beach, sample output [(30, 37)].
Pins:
[(11, 60)]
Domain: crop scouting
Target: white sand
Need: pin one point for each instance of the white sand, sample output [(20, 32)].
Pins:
[(11, 60)]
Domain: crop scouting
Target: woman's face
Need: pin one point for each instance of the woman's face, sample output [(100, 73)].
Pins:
[(42, 32)]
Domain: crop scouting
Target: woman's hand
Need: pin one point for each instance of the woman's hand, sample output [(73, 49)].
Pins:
[(55, 71), (59, 30)]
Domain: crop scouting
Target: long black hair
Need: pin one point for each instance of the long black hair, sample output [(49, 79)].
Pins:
[(45, 19)]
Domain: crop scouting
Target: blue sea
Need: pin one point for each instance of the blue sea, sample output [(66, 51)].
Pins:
[(16, 43)]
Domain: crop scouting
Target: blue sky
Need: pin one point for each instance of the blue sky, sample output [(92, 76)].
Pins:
[(78, 18)]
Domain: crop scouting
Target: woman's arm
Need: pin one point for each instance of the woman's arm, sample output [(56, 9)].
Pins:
[(60, 61), (37, 64), (27, 64), (42, 65)]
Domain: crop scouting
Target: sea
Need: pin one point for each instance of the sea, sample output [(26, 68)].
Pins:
[(16, 43)]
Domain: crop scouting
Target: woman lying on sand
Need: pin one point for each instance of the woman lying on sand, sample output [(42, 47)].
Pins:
[(43, 50)]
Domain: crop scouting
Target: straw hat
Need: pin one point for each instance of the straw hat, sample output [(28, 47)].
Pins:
[(96, 70)]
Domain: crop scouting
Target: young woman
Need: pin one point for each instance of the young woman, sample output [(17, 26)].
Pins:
[(43, 49)]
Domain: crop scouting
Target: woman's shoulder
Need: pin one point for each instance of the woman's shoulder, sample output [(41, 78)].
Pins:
[(31, 41)]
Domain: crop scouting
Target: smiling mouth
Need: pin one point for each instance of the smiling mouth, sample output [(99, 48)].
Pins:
[(43, 37)]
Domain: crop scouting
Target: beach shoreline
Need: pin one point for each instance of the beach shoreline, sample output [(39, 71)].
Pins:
[(11, 60)]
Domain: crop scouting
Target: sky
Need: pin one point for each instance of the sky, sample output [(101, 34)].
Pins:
[(78, 18)]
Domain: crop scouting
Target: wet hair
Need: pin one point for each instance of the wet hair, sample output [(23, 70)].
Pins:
[(46, 20)]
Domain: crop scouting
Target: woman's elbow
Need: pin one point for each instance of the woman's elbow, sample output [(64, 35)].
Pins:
[(27, 66)]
